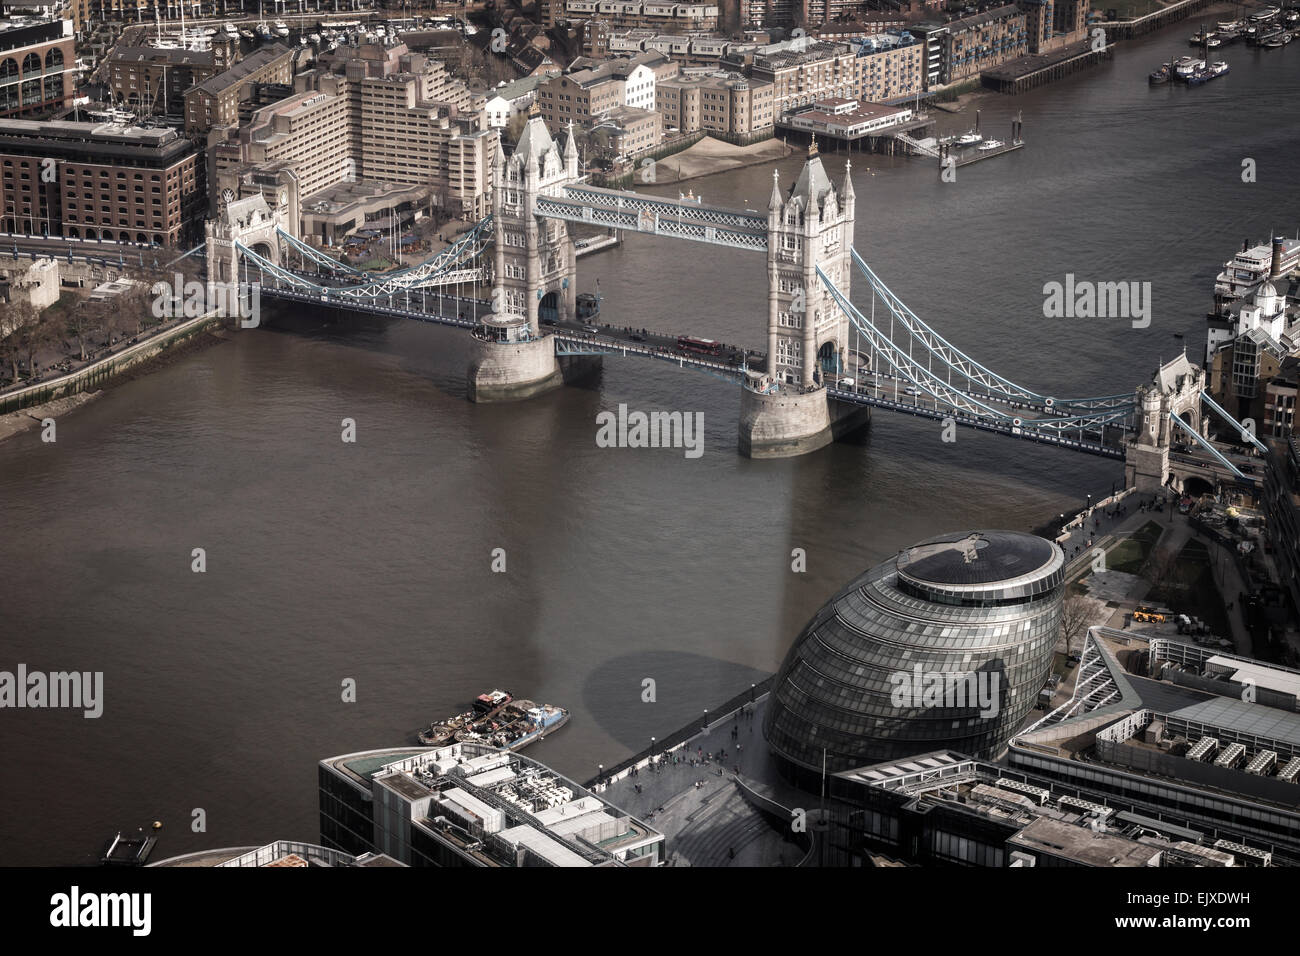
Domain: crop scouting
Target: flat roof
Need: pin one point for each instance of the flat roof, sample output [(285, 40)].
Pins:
[(1286, 682), (1083, 844)]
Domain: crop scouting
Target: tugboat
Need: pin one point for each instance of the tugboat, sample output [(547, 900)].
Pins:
[(1161, 75)]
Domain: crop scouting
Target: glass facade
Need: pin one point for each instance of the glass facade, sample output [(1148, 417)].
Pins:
[(942, 648)]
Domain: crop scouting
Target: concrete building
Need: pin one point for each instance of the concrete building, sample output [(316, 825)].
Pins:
[(216, 101), (93, 180), (624, 14), (716, 103), (469, 805), (626, 131), (37, 64), (388, 132), (277, 855)]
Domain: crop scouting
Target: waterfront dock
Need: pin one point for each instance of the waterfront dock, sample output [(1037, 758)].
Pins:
[(1159, 19), (964, 157), (1028, 72)]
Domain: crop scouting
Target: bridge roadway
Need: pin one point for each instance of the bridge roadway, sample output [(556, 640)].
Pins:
[(574, 338)]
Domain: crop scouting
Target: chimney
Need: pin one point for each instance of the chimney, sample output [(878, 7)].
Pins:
[(1275, 270), (1245, 245)]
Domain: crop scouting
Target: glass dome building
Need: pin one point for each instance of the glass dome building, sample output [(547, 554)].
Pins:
[(944, 646)]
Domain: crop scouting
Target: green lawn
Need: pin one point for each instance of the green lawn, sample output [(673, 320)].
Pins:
[(1131, 553)]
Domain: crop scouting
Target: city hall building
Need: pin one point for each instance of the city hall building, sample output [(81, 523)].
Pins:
[(942, 647)]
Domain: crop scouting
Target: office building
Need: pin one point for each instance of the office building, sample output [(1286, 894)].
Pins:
[(473, 805), (943, 646)]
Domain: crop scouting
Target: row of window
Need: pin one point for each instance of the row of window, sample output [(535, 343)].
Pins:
[(31, 63)]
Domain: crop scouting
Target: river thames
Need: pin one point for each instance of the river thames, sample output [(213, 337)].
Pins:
[(372, 561)]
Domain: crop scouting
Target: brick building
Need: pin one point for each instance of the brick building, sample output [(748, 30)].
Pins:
[(100, 181)]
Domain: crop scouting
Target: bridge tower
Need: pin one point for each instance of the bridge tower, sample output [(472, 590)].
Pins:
[(249, 222), (1174, 389), (535, 269), (787, 411)]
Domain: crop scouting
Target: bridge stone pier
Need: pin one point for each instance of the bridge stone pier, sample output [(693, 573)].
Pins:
[(1174, 389), (787, 411), (249, 222), (535, 269)]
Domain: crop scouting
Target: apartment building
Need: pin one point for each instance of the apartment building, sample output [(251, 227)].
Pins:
[(100, 181), (628, 131), (1052, 24), (803, 71), (215, 101), (37, 64), (623, 14), (587, 95), (981, 42), (716, 103)]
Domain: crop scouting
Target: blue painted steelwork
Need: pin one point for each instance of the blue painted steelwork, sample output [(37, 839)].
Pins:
[(971, 408), (1241, 429), (965, 366), (440, 270), (1204, 443)]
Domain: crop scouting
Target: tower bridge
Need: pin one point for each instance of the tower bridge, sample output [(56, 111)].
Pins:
[(828, 360)]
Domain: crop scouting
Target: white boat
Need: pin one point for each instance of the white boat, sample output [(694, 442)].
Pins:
[(1251, 265), (231, 30), (281, 28), (1185, 66), (314, 37), (263, 30), (969, 139), (992, 145), (248, 34)]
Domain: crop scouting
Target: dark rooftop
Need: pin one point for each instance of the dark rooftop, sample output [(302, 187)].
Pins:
[(979, 557)]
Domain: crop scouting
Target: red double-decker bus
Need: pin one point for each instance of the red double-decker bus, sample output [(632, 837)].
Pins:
[(702, 346)]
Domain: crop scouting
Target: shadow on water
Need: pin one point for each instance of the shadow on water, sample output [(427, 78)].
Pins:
[(697, 681)]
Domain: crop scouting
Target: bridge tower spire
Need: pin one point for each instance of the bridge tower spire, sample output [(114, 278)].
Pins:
[(787, 410), (535, 266)]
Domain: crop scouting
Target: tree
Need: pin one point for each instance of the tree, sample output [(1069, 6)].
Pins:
[(83, 318), (1075, 614)]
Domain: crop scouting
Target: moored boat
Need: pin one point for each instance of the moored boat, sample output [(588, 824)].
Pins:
[(498, 720)]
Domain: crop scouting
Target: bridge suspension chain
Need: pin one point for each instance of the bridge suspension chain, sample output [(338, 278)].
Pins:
[(955, 398), (965, 366), (438, 271)]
